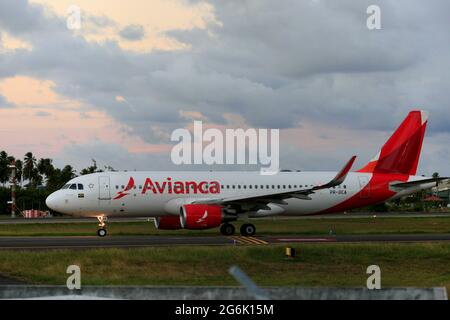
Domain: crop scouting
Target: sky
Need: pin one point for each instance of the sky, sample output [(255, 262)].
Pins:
[(115, 89)]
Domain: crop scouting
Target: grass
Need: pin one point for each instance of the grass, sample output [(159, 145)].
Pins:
[(328, 265), (300, 226)]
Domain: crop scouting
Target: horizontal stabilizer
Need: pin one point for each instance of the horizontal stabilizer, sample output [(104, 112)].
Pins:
[(410, 184)]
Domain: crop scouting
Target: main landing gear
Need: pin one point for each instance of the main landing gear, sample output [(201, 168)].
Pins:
[(227, 229), (101, 232), (247, 229)]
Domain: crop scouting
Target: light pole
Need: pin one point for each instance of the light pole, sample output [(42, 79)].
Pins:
[(12, 166)]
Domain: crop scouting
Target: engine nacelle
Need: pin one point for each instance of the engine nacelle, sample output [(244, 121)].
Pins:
[(201, 216), (168, 223)]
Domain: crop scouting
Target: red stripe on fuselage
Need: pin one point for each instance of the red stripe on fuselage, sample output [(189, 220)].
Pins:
[(377, 190)]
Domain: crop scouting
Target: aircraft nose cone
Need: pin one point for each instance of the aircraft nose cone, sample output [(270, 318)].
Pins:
[(51, 201)]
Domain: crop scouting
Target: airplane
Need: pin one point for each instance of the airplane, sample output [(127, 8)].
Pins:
[(204, 200)]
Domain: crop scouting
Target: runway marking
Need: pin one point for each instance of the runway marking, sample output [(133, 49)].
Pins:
[(248, 240), (306, 239)]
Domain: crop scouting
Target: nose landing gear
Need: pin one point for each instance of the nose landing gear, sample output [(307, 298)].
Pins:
[(101, 232)]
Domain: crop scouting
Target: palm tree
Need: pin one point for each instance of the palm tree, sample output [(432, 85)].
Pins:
[(90, 169), (29, 165), (4, 170), (19, 168), (45, 167), (67, 173), (36, 178), (54, 181)]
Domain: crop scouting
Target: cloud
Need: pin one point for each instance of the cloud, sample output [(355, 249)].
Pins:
[(5, 103), (132, 32), (20, 17), (101, 21), (110, 154), (43, 114), (274, 64)]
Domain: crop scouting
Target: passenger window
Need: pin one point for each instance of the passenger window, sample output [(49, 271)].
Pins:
[(73, 186), (80, 186)]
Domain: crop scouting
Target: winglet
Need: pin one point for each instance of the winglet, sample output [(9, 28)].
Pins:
[(340, 177)]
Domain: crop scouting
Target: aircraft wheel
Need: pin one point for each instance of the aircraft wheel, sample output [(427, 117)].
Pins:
[(248, 229), (102, 232), (227, 229)]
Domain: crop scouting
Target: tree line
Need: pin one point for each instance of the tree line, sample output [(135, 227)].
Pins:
[(35, 179), (32, 173)]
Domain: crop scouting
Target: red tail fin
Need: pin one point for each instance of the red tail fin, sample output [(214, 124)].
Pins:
[(400, 154)]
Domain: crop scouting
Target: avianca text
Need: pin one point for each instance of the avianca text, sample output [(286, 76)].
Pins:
[(180, 187)]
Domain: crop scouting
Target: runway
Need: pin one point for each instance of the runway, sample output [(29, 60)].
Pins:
[(4, 220), (44, 243)]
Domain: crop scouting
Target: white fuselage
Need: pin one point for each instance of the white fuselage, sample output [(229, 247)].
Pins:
[(155, 194)]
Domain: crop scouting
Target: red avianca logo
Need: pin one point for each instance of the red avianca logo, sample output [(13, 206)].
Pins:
[(172, 187), (124, 192)]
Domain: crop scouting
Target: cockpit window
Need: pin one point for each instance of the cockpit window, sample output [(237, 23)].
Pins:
[(65, 186), (80, 186), (73, 186)]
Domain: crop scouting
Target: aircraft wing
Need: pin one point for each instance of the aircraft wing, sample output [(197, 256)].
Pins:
[(277, 197)]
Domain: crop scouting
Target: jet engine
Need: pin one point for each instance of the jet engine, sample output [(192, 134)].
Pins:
[(168, 223), (201, 216)]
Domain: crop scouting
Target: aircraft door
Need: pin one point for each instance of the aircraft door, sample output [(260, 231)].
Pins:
[(104, 192)]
